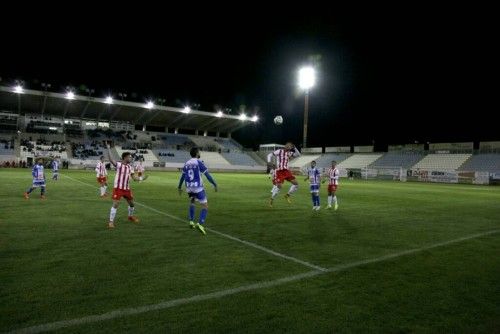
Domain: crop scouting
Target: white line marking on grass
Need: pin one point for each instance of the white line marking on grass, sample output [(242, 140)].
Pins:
[(222, 293), (224, 235)]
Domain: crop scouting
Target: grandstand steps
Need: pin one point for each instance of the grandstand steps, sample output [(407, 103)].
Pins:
[(303, 160), (258, 159), (362, 160), (443, 161), (213, 159)]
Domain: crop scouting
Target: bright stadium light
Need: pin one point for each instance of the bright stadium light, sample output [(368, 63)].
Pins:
[(307, 78), (70, 95), (243, 117), (108, 100), (255, 118), (219, 114), (186, 110), (18, 89), (150, 105)]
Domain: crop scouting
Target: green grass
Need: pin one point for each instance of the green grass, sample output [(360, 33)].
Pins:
[(59, 262)]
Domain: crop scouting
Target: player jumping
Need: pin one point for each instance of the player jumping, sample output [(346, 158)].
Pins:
[(191, 175), (283, 155)]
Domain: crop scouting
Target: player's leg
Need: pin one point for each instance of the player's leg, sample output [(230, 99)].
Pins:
[(112, 213), (131, 209), (102, 188), (28, 192), (334, 200), (293, 187), (275, 191), (330, 198), (42, 191), (202, 198), (313, 196), (317, 200), (191, 209)]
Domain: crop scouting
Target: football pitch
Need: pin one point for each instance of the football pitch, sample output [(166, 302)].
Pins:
[(395, 258)]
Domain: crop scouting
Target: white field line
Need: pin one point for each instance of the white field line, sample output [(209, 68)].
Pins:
[(222, 293)]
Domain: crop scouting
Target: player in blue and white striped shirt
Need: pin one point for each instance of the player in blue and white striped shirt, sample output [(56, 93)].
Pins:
[(38, 179), (314, 177), (192, 176), (55, 169)]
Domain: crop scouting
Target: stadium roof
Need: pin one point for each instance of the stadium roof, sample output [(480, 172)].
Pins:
[(26, 101)]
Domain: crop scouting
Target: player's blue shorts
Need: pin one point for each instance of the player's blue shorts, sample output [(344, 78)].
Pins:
[(314, 188), (199, 196), (38, 183)]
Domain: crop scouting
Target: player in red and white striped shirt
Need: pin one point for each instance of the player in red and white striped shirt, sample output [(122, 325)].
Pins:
[(121, 188), (283, 156), (139, 168), (102, 176), (333, 182)]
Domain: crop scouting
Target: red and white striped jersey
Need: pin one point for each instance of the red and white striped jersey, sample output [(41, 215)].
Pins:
[(283, 157), (122, 177), (333, 176), (100, 169)]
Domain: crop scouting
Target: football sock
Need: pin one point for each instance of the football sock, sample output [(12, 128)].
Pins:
[(191, 212), (293, 188), (112, 214), (203, 215)]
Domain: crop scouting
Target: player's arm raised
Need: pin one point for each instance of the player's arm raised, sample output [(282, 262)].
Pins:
[(295, 152), (113, 162)]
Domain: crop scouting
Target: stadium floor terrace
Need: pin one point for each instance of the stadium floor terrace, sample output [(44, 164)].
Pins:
[(395, 257)]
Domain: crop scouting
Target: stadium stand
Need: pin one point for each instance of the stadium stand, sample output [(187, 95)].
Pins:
[(488, 162), (326, 159), (149, 157), (398, 159), (442, 161), (303, 160), (359, 161), (238, 158)]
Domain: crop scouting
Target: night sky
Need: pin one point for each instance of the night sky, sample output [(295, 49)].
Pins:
[(386, 75)]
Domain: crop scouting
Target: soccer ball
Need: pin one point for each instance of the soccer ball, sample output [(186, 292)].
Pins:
[(278, 120)]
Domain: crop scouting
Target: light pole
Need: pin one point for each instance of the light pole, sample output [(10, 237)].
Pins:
[(307, 79)]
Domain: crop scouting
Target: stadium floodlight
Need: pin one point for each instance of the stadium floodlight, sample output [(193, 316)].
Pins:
[(186, 110), (243, 117), (219, 114), (108, 100), (70, 95), (149, 105), (18, 89), (255, 118), (307, 79)]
